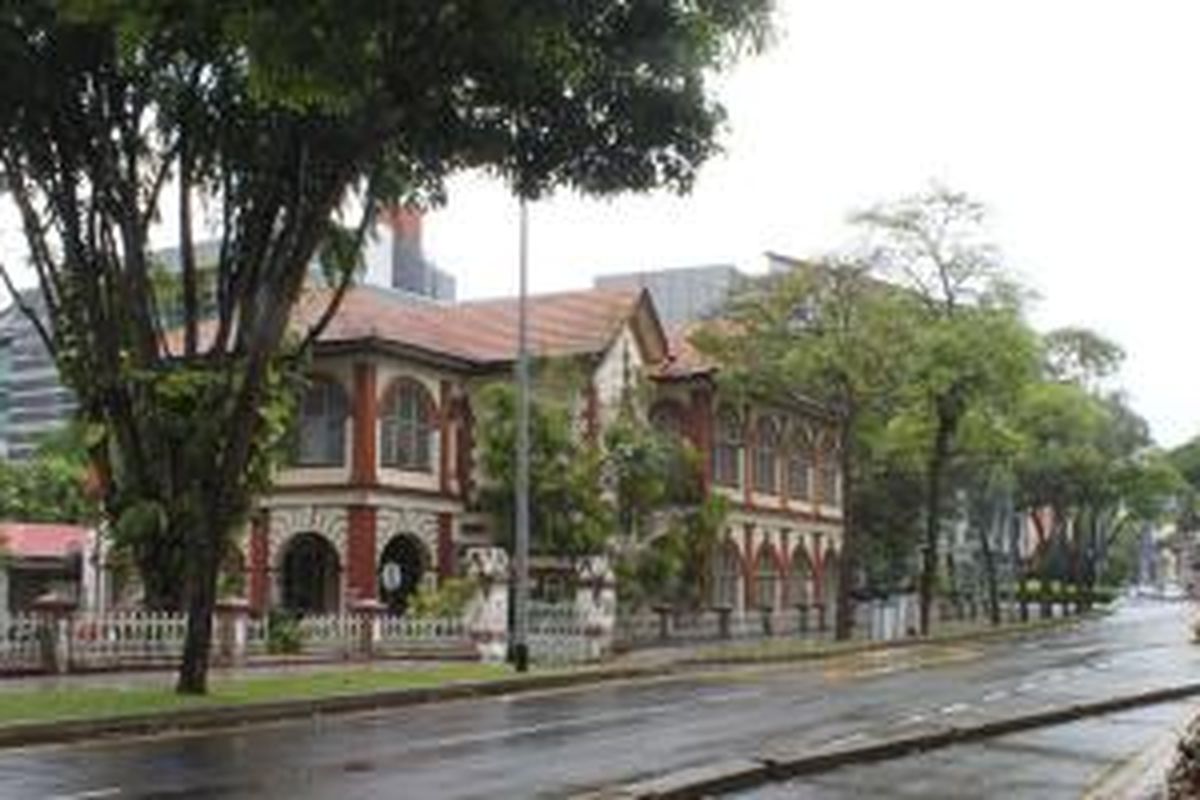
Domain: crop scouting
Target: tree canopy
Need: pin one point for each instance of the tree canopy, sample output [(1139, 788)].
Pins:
[(282, 129)]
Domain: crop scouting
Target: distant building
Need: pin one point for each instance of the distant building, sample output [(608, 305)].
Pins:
[(682, 294)]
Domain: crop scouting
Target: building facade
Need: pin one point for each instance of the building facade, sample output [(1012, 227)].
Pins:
[(380, 498)]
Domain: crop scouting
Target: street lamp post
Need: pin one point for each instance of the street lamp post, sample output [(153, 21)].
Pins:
[(520, 650)]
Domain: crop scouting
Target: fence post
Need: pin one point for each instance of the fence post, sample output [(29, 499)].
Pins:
[(596, 604), (232, 623), (802, 618), (664, 621), (369, 612), (768, 621), (724, 613), (822, 622), (54, 631)]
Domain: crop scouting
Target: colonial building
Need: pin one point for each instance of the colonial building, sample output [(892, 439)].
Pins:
[(379, 499)]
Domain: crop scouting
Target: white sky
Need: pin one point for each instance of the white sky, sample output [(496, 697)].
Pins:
[(1076, 121)]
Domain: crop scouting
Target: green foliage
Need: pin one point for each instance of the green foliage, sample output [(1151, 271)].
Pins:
[(569, 514), (284, 636), (52, 486), (672, 568), (449, 599)]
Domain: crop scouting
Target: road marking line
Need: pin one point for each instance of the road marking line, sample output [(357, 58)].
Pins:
[(999, 694), (90, 794), (1027, 686), (955, 708)]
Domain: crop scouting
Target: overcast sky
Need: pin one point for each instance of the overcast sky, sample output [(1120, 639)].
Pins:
[(1075, 121)]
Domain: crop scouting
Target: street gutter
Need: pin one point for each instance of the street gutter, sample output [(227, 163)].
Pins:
[(25, 734)]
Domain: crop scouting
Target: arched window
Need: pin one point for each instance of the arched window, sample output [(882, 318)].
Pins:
[(406, 427), (321, 431), (802, 582), (727, 449), (829, 474), (766, 580), (800, 465), (768, 440)]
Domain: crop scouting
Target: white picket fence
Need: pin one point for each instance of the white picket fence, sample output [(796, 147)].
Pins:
[(559, 634), (20, 643), (126, 638)]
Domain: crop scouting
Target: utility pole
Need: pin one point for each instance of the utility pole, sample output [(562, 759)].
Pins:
[(520, 650)]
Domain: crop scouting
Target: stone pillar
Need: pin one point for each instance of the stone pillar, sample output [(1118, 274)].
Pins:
[(370, 613), (768, 620), (487, 613), (363, 471), (596, 604), (822, 620), (664, 622), (724, 613), (232, 621), (260, 581), (802, 618), (361, 582), (54, 613)]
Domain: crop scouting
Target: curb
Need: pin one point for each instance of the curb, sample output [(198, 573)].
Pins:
[(232, 716), (747, 773)]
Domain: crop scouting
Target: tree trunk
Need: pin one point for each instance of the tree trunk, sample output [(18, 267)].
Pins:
[(203, 563), (989, 572), (933, 505)]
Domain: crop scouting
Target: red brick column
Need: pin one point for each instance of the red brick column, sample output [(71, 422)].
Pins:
[(749, 564), (259, 562), (447, 568), (361, 583), (591, 412), (702, 432), (445, 435), (366, 416)]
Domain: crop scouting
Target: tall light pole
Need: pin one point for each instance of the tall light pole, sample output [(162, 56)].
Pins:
[(520, 649)]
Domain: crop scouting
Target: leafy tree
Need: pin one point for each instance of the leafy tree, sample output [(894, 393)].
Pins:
[(53, 485), (970, 345), (569, 514), (291, 125)]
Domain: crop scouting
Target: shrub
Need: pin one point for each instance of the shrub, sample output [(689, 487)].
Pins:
[(283, 633)]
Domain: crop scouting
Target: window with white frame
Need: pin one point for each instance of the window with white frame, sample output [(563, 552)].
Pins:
[(407, 428), (321, 428)]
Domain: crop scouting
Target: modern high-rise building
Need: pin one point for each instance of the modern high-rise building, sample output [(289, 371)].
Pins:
[(682, 294), (32, 396)]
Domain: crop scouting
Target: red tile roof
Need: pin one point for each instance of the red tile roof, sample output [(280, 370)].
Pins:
[(480, 332), (685, 360), (42, 540)]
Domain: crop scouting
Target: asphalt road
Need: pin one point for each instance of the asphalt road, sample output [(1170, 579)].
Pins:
[(557, 743)]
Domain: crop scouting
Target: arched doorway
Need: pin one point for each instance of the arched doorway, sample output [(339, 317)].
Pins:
[(801, 586), (766, 580), (310, 575), (727, 576), (401, 568)]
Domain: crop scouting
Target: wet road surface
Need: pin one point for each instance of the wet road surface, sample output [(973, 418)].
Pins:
[(556, 743)]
